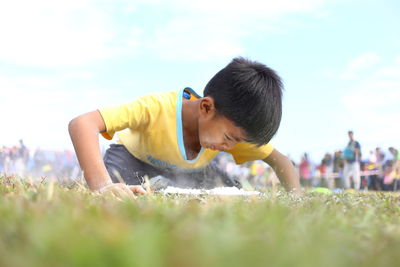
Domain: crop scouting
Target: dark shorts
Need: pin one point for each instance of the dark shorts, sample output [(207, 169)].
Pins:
[(122, 165)]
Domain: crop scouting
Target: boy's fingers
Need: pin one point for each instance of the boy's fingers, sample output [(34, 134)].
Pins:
[(126, 191), (138, 189), (119, 190)]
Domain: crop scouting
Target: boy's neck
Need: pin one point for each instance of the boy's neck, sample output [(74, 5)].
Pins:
[(190, 124)]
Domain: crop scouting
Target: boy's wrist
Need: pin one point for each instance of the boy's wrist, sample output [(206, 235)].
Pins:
[(100, 185), (104, 188)]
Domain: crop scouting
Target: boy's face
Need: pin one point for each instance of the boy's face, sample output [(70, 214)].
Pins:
[(216, 132)]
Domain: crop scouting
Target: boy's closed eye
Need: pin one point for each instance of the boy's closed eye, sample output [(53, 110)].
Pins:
[(228, 138), (233, 139)]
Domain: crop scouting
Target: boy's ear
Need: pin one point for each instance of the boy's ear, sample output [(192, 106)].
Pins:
[(207, 106)]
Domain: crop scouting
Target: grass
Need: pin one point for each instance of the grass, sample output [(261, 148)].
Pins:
[(42, 224)]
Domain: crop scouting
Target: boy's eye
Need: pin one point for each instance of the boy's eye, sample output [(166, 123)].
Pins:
[(228, 138)]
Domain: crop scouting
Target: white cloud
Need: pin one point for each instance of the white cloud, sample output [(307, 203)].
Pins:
[(58, 33), (397, 59), (195, 40), (348, 75), (54, 33), (372, 94), (209, 29), (248, 8), (370, 91), (372, 104), (359, 64), (363, 62), (38, 109), (389, 72)]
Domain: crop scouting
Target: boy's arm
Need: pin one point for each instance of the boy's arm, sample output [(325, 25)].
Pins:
[(284, 170), (84, 131)]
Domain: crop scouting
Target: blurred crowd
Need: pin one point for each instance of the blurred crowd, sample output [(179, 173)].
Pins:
[(20, 161), (347, 168), (342, 169), (378, 171)]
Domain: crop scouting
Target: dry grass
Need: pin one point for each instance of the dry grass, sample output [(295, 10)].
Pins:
[(43, 224)]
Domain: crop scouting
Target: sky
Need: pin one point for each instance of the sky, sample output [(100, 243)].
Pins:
[(339, 60)]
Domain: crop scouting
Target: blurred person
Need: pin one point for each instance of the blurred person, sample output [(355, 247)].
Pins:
[(338, 165), (59, 160), (21, 159), (67, 163), (372, 157), (364, 176), (380, 161), (13, 154), (2, 156), (23, 151), (375, 165), (327, 175), (181, 132), (396, 168), (257, 173), (352, 157), (39, 160), (388, 175), (272, 180), (305, 171), (253, 172), (6, 157)]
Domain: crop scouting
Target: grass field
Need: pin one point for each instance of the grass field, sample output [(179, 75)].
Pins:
[(42, 224)]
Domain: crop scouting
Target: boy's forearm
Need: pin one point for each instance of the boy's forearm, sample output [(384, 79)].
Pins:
[(85, 138), (284, 170)]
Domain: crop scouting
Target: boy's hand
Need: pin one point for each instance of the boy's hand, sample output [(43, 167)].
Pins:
[(297, 192), (137, 189), (285, 171), (122, 190)]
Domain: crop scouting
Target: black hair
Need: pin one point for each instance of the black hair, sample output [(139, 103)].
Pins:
[(249, 94)]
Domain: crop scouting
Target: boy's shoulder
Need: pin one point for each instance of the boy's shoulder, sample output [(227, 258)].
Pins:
[(153, 102), (160, 96), (141, 111)]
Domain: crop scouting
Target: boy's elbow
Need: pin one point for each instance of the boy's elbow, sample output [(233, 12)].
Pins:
[(73, 125), (274, 158), (91, 122)]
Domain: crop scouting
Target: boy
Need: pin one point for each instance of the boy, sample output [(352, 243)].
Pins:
[(180, 132)]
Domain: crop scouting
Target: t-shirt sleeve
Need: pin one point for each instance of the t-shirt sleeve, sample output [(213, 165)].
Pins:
[(244, 152), (133, 115)]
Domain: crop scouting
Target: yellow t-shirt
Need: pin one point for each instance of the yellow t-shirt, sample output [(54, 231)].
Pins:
[(154, 135)]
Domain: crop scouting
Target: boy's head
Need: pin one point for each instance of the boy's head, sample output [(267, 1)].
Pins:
[(249, 94)]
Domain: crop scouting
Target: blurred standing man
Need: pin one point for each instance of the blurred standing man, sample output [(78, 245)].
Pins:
[(352, 156)]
